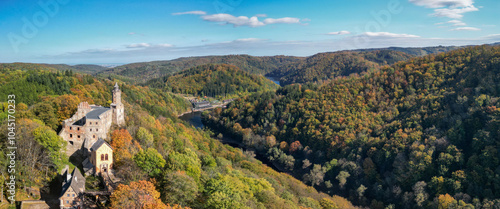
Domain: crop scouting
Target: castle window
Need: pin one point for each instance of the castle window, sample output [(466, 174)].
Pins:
[(68, 195), (90, 130), (67, 201), (70, 128), (70, 135), (93, 136), (78, 128), (96, 123), (73, 195), (90, 123), (106, 157), (78, 136), (102, 157), (96, 129)]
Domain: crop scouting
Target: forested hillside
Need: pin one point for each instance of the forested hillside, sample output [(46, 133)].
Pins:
[(326, 66), (417, 51), (162, 161), (419, 134), (214, 80), (142, 72), (82, 68), (293, 69)]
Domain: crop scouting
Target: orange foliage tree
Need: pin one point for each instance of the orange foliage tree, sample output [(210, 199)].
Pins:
[(123, 146), (445, 200), (141, 194), (295, 146)]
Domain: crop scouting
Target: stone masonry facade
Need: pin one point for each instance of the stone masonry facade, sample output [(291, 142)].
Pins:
[(92, 122)]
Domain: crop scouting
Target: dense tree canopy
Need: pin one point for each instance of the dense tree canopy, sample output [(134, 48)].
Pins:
[(401, 136), (145, 71), (215, 81), (324, 66), (140, 194), (158, 158)]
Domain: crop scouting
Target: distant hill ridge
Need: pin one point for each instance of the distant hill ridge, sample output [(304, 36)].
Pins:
[(274, 66), (416, 51), (287, 69), (144, 71)]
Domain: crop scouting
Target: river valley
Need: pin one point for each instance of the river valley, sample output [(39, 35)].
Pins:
[(194, 119)]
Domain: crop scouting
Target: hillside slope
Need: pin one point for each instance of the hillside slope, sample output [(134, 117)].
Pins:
[(275, 66), (142, 72), (417, 51), (214, 80), (160, 159), (82, 68), (414, 135), (326, 66)]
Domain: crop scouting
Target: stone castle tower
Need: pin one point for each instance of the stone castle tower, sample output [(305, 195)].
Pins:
[(117, 106)]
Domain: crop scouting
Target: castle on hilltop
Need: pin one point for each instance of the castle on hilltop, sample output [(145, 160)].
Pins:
[(85, 132), (91, 123)]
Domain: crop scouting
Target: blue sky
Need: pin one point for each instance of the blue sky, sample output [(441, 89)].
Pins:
[(125, 31)]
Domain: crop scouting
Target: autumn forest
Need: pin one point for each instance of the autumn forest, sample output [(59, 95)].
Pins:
[(380, 128)]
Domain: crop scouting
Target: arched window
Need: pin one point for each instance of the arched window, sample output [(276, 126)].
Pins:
[(70, 128), (70, 135), (102, 157), (106, 157)]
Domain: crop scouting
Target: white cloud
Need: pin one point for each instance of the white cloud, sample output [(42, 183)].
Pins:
[(443, 3), (466, 29), (343, 32), (456, 13), (139, 45), (235, 21), (456, 23), (163, 45), (243, 20), (146, 45), (389, 35), (248, 40), (492, 37), (190, 13), (451, 23), (454, 9), (96, 51), (284, 20)]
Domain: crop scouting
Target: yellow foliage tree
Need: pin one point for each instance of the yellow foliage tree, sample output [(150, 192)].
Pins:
[(141, 194), (444, 201), (123, 146)]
